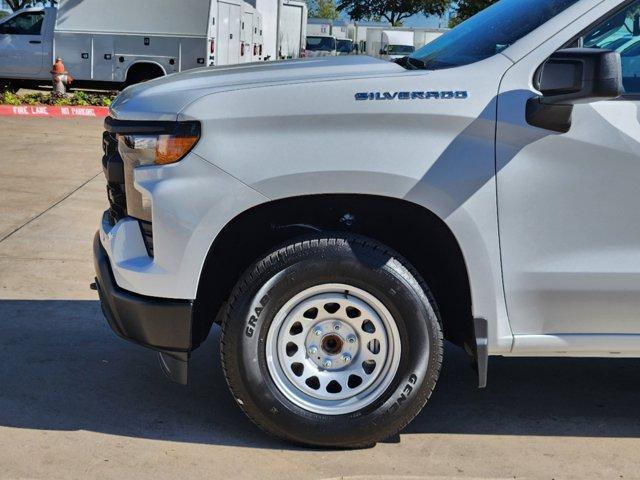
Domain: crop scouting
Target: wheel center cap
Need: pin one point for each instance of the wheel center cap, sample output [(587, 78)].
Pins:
[(332, 344)]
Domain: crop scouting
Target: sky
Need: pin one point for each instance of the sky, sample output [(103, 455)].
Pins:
[(422, 21), (428, 22)]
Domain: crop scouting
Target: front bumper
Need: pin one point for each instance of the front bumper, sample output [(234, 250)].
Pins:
[(160, 324)]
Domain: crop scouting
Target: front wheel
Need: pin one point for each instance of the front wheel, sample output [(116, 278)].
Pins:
[(332, 341)]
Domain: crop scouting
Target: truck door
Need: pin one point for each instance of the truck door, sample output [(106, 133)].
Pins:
[(569, 202), (235, 20), (211, 32), (22, 46), (246, 41), (229, 19), (103, 58)]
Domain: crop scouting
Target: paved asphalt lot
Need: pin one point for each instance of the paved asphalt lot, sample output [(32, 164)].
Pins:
[(77, 402)]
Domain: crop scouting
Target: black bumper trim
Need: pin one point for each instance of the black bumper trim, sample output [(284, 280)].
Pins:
[(160, 324)]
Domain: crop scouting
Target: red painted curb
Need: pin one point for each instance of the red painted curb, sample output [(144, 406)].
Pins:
[(53, 112)]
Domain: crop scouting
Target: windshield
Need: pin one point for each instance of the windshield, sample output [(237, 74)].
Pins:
[(487, 33), (321, 43), (403, 50), (345, 46)]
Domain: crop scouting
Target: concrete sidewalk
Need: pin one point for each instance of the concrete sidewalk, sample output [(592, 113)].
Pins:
[(78, 402)]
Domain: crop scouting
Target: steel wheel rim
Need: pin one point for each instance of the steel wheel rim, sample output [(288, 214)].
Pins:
[(339, 360)]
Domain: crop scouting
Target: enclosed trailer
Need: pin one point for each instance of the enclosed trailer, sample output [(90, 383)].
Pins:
[(293, 29)]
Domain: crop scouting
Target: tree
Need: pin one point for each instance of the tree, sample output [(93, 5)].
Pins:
[(394, 11), (323, 9), (468, 8), (20, 4)]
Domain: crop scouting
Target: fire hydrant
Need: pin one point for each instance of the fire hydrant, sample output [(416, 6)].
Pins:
[(61, 78)]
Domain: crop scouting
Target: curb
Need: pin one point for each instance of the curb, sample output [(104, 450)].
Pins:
[(52, 112)]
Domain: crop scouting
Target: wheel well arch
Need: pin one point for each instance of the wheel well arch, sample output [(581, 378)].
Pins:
[(139, 68), (415, 232)]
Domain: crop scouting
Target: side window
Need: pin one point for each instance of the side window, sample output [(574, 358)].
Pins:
[(27, 23), (621, 32)]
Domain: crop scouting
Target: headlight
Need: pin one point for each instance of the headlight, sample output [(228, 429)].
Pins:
[(151, 145), (159, 149)]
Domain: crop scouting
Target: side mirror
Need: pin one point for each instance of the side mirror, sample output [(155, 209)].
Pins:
[(570, 77), (382, 52)]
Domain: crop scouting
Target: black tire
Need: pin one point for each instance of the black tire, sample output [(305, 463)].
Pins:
[(353, 260)]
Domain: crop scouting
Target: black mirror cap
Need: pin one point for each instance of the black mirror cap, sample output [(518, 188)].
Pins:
[(580, 75)]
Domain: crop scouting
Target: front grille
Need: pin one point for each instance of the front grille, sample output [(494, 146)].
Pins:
[(147, 236), (119, 182), (113, 168)]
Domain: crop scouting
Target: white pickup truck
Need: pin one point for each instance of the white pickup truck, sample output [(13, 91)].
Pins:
[(487, 195)]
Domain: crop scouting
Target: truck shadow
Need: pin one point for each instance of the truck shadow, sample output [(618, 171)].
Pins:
[(61, 368)]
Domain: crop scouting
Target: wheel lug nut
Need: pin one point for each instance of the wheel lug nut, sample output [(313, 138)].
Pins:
[(336, 326), (317, 332), (313, 350), (327, 364), (346, 358), (351, 339)]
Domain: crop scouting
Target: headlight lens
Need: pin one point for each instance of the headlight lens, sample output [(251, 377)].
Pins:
[(145, 150)]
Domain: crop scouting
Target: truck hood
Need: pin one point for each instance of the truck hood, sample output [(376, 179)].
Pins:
[(164, 98)]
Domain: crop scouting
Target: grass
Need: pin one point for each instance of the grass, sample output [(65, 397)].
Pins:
[(77, 98)]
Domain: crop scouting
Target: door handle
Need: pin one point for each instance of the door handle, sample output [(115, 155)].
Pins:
[(35, 42)]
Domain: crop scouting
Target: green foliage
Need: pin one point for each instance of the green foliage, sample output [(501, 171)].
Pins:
[(3, 13), (77, 98), (394, 11), (323, 9), (468, 8), (20, 4)]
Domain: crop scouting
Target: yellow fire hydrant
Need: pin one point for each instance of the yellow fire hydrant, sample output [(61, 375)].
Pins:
[(61, 78)]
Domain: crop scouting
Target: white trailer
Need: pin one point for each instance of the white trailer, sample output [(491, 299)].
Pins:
[(319, 27), (292, 31), (358, 33), (340, 29), (390, 44), (423, 36)]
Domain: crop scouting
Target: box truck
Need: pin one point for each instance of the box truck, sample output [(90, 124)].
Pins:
[(321, 46), (357, 32), (120, 42), (390, 44)]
